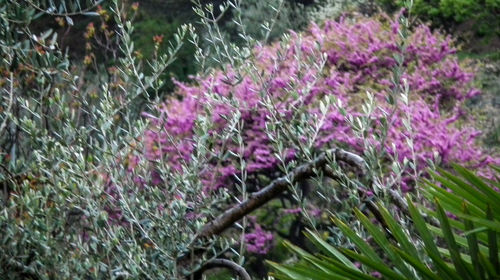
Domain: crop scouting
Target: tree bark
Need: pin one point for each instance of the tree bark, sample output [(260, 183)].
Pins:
[(276, 187)]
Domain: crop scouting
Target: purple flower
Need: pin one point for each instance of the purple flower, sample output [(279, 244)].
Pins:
[(359, 59), (258, 241)]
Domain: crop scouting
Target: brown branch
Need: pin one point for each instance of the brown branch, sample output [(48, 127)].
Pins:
[(215, 263), (271, 191), (257, 199)]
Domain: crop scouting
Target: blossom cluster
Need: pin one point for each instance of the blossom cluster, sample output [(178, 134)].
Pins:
[(360, 58), (258, 241)]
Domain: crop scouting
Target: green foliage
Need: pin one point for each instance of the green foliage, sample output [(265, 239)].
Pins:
[(79, 199), (76, 200), (463, 246), (146, 29), (330, 9), (63, 129), (482, 16), (255, 13), (287, 15)]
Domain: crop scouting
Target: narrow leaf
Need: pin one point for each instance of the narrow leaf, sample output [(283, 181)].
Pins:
[(473, 244), (404, 240), (417, 265), (364, 247), (384, 243), (384, 269), (430, 245), (492, 242), (328, 249), (450, 241)]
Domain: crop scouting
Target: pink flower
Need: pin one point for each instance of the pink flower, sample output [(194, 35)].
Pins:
[(359, 58)]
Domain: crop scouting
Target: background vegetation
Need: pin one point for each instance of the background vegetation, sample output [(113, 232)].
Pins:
[(178, 139)]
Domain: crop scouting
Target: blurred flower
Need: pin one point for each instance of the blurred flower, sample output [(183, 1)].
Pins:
[(103, 13), (90, 31), (87, 60), (60, 21), (258, 241), (158, 39), (135, 6), (359, 56), (138, 54), (104, 26)]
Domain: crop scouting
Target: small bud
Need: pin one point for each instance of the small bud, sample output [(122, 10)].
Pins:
[(90, 31), (87, 60), (135, 6), (60, 21), (157, 39)]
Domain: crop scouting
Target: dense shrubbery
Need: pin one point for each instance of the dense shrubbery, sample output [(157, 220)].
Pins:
[(359, 58), (293, 15), (430, 125), (146, 31), (102, 179), (62, 129), (481, 16), (468, 225), (157, 19)]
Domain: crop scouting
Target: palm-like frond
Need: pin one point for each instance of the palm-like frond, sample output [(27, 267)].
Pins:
[(464, 246)]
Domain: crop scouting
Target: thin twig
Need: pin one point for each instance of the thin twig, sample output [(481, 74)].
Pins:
[(67, 14), (9, 107)]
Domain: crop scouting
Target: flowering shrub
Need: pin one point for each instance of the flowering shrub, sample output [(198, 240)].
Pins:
[(91, 190), (258, 241), (359, 57), (306, 94), (66, 205), (480, 17)]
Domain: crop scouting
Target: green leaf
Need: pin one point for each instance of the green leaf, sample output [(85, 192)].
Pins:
[(473, 243), (488, 267), (426, 236), (328, 249), (459, 187), (335, 267), (443, 268), (384, 243), (450, 241), (381, 267), (475, 230), (462, 241), (417, 264), (454, 199), (364, 247), (492, 196), (404, 240), (492, 241), (447, 254), (300, 273), (491, 225), (496, 168), (295, 249), (421, 227)]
